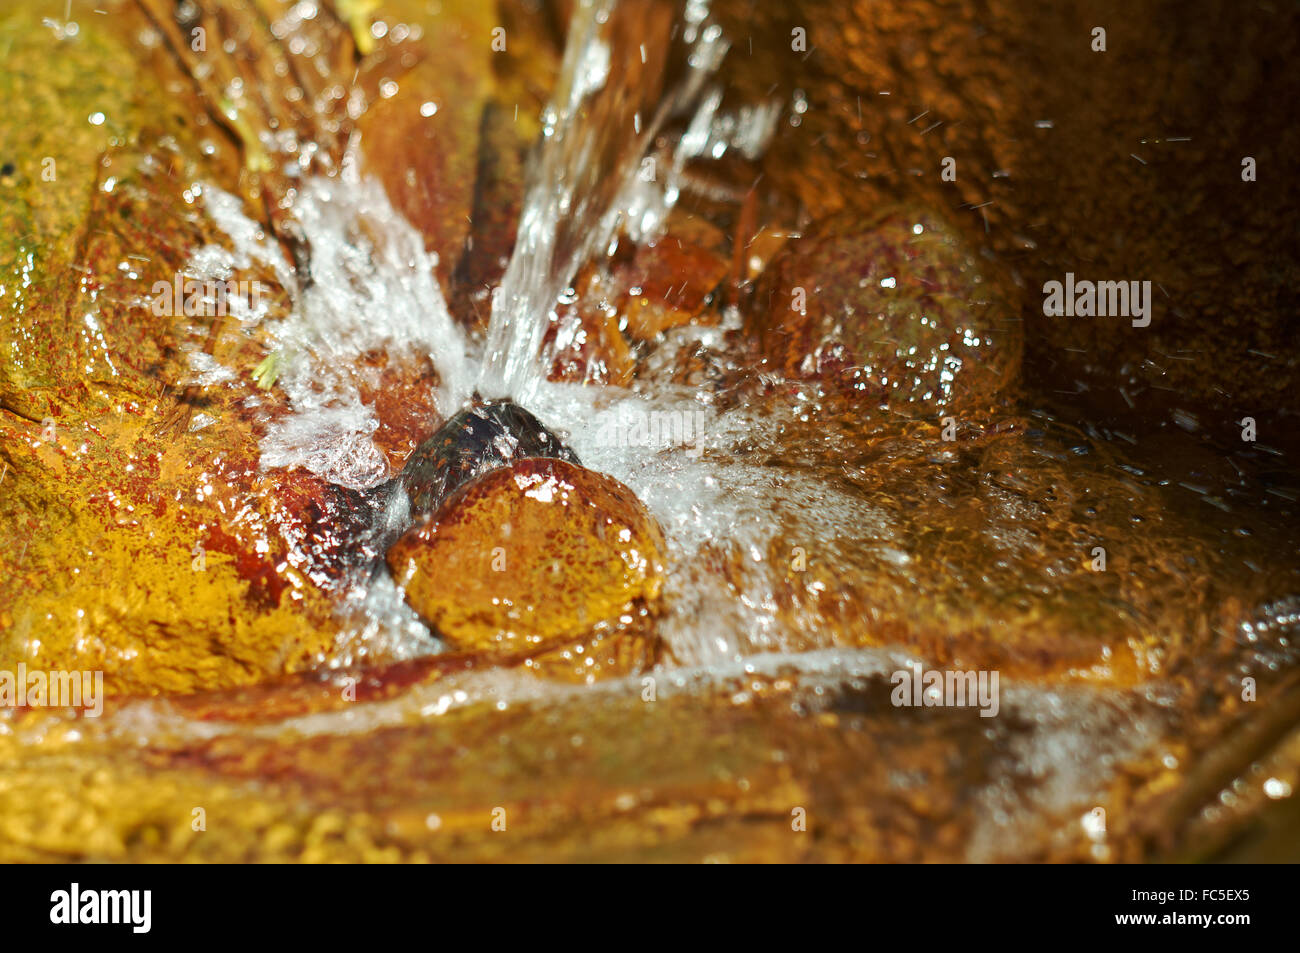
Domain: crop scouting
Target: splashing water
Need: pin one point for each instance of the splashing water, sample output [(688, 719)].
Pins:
[(372, 287), (584, 184)]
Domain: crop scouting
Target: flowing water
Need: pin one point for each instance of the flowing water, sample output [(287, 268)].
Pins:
[(589, 179), (372, 286), (749, 482)]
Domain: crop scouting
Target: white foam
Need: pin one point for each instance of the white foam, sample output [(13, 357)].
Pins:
[(372, 287)]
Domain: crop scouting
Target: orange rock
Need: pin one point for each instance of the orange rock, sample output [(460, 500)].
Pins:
[(532, 557), (666, 285), (642, 292), (584, 339), (400, 387), (901, 310), (420, 134)]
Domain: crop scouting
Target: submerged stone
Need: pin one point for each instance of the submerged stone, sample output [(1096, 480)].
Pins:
[(531, 557)]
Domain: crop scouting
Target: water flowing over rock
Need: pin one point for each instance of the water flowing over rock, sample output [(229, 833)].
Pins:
[(327, 538), (479, 439), (530, 556)]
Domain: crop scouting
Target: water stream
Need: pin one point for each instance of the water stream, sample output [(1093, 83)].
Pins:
[(589, 180), (601, 173), (637, 99)]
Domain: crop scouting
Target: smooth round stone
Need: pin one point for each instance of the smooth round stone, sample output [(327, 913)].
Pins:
[(532, 556), (900, 309)]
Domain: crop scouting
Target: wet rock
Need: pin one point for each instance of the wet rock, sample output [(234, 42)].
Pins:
[(137, 535), (531, 557), (76, 103), (900, 310), (583, 340), (631, 302), (666, 285), (170, 564), (479, 439), (894, 90), (494, 218), (420, 134), (400, 386), (632, 647)]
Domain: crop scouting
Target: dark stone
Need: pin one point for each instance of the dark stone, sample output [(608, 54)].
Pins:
[(479, 439)]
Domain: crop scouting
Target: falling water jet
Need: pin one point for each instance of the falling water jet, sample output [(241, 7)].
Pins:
[(612, 99), (610, 103)]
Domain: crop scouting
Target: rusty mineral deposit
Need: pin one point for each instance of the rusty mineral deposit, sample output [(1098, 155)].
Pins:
[(639, 418)]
